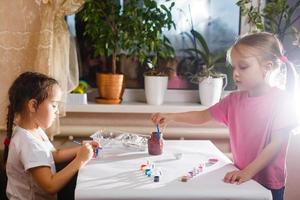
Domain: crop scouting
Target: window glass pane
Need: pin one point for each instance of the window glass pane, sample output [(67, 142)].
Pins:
[(217, 20)]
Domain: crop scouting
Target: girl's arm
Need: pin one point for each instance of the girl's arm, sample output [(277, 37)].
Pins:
[(52, 183), (192, 117), (261, 161), (62, 155)]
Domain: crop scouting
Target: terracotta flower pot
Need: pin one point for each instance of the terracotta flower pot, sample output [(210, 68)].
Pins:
[(110, 87)]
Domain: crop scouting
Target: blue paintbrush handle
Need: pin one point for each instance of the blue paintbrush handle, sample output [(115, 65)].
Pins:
[(158, 132)]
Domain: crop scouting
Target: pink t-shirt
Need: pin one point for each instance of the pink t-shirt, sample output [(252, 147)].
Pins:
[(251, 122)]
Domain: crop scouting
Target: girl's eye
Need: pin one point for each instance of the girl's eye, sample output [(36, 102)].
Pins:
[(243, 67)]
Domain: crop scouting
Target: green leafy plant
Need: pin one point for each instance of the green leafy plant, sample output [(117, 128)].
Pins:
[(278, 17), (201, 59), (133, 30), (152, 44), (107, 27)]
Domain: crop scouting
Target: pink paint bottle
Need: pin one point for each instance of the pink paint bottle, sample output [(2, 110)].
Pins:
[(155, 144)]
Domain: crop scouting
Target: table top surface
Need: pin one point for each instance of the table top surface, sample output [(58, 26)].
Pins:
[(116, 174)]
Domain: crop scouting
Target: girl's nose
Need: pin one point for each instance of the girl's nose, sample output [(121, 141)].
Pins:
[(235, 74)]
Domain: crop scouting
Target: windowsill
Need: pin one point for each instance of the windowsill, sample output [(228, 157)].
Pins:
[(135, 107), (134, 102)]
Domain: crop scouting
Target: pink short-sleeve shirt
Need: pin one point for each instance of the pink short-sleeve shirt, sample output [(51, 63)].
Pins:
[(251, 122)]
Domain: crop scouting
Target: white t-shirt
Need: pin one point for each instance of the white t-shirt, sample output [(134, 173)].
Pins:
[(27, 151)]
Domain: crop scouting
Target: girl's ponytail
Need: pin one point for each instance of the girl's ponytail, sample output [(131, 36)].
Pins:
[(292, 77), (292, 86), (9, 127)]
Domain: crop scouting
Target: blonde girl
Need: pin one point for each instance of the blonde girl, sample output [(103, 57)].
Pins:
[(260, 116)]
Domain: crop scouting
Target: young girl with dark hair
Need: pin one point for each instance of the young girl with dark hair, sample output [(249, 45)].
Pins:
[(29, 155)]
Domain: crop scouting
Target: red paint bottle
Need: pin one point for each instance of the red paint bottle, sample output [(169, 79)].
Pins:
[(155, 144)]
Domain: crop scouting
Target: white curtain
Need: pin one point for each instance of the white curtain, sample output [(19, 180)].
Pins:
[(34, 37)]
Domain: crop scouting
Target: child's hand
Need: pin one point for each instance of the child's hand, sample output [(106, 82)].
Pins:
[(95, 144), (85, 153), (161, 119), (237, 176)]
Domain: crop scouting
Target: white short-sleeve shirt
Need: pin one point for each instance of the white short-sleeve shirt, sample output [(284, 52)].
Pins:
[(27, 151)]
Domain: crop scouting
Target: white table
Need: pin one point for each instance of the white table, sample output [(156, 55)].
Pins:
[(117, 175)]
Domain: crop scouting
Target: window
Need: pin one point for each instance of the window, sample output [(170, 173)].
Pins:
[(217, 20)]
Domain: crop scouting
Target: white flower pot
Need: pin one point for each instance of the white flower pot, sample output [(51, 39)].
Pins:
[(210, 90), (76, 99), (155, 89)]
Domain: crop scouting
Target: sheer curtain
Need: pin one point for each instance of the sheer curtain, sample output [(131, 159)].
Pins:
[(34, 37)]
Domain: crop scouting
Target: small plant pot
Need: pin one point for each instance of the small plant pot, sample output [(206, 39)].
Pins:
[(155, 89), (210, 90), (110, 88), (76, 99)]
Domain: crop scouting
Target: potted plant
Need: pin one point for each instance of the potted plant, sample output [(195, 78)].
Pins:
[(153, 45), (105, 29), (277, 16), (209, 80), (156, 77), (134, 29)]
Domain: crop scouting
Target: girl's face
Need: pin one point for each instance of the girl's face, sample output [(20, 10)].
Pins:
[(48, 109), (248, 72)]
